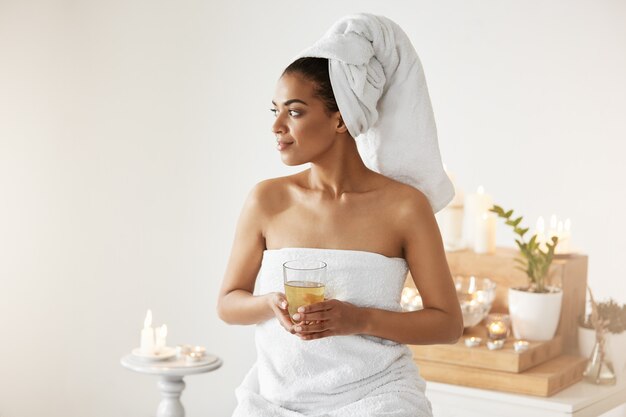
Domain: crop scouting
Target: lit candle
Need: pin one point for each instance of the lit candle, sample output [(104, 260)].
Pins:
[(161, 335), (475, 205), (485, 237), (520, 345), (147, 335), (497, 326), (472, 341), (495, 344), (497, 329), (553, 222), (564, 238)]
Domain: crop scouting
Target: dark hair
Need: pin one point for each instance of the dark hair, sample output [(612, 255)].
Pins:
[(316, 71)]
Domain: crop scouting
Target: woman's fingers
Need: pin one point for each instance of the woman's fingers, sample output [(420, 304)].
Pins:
[(312, 327), (317, 316), (327, 304), (280, 307)]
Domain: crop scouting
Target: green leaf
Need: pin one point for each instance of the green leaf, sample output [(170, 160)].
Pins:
[(508, 214)]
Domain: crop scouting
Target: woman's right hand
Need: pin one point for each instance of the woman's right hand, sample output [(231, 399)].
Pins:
[(278, 303)]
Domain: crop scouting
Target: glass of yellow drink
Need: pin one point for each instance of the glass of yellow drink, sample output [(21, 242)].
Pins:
[(305, 281)]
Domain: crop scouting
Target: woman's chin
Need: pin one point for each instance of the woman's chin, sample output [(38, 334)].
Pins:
[(291, 162)]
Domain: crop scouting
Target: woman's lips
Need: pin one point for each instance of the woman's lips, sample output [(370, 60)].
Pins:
[(283, 145)]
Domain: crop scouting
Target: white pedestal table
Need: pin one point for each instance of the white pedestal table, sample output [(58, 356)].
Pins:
[(170, 383)]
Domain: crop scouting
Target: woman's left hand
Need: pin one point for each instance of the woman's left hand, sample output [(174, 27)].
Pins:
[(328, 318)]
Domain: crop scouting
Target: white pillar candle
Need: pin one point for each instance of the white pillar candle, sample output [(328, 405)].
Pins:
[(147, 335), (553, 229), (161, 335), (485, 233), (450, 219), (564, 238), (475, 205)]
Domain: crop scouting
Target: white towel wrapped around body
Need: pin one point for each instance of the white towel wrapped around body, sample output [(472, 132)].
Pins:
[(380, 88), (336, 376)]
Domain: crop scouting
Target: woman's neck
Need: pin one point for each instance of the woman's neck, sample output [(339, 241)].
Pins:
[(340, 170)]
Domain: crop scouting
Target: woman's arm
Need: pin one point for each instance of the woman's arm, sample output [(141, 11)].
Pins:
[(440, 321), (236, 304)]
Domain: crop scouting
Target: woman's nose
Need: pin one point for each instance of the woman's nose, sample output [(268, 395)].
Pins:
[(278, 126)]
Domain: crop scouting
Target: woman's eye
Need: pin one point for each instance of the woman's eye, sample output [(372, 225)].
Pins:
[(293, 113)]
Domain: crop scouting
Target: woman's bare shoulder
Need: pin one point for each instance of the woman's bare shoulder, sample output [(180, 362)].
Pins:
[(408, 201), (273, 194)]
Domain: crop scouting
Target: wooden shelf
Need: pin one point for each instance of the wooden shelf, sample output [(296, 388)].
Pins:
[(543, 380), (505, 359)]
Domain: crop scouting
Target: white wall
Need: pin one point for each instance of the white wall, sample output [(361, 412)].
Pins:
[(131, 132)]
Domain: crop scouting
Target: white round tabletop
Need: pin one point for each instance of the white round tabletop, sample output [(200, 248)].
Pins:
[(172, 367)]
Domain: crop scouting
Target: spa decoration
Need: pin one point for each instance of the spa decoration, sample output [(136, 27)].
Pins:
[(495, 344), (147, 335), (498, 326), (450, 219), (535, 308), (410, 299), (153, 345), (559, 229), (473, 341), (599, 370), (520, 346), (485, 233), (475, 205)]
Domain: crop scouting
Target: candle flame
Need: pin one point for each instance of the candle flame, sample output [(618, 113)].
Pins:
[(148, 321), (471, 288), (480, 190)]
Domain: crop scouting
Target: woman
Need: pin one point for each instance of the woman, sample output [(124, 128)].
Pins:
[(346, 355)]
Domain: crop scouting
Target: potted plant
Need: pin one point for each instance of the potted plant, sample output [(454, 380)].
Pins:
[(613, 315), (535, 308)]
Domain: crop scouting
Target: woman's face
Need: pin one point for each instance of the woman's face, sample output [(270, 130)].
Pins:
[(301, 120)]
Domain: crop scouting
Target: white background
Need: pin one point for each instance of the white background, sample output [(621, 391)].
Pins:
[(132, 131)]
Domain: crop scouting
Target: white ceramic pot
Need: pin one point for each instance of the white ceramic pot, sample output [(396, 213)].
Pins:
[(535, 316), (615, 348)]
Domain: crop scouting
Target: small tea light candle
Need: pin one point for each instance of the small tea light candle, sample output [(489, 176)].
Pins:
[(182, 350), (495, 344), (498, 326), (520, 345), (472, 341), (194, 356), (198, 350)]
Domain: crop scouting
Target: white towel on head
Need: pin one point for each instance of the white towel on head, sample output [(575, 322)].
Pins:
[(381, 92)]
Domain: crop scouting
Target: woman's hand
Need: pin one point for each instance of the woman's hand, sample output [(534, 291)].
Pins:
[(278, 303), (328, 318)]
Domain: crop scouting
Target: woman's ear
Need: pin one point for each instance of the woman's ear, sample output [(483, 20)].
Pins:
[(341, 126)]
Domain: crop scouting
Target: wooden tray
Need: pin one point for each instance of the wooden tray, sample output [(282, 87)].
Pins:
[(544, 380), (505, 359)]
